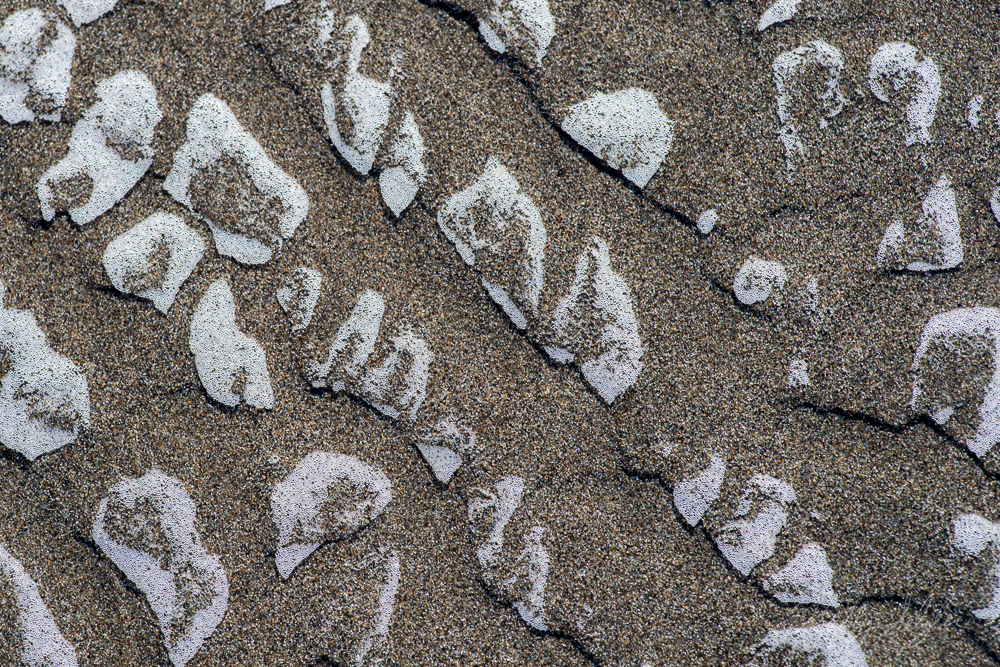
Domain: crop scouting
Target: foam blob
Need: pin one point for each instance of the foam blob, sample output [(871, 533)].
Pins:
[(42, 645), (757, 280), (398, 385), (972, 536), (222, 174), (995, 202), (36, 56), (932, 243), (747, 542), (959, 349), (327, 497), (354, 343), (359, 103), (798, 373), (382, 618), (271, 4), (693, 497), (779, 12), (109, 150), (626, 129), (787, 69), (532, 565), (599, 300), (826, 644), (707, 221), (493, 508), (446, 446), (146, 526), (299, 295), (806, 579), (902, 65), (975, 106), (524, 24), (44, 401), (403, 170), (497, 229), (154, 258), (231, 365), (87, 11)]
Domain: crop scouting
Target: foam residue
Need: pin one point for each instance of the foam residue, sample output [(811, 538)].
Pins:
[(520, 23), (780, 11), (398, 385), (599, 299), (446, 446), (747, 542), (975, 106), (382, 619), (533, 565), (496, 506), (806, 579), (87, 11), (826, 644), (933, 242), (973, 534), (498, 229), (403, 171), (787, 69), (362, 102), (979, 327), (798, 373), (146, 526), (271, 4), (110, 146), (231, 365), (154, 258), (354, 343), (44, 401), (215, 136), (626, 129), (995, 202), (902, 65), (299, 295), (36, 56), (693, 497), (327, 497), (757, 280), (707, 221), (42, 645)]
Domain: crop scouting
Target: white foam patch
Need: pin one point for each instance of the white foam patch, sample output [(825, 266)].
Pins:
[(44, 401), (271, 4), (87, 11), (354, 343), (493, 222), (42, 644), (299, 295), (757, 280), (707, 221), (903, 66), (382, 619), (982, 327), (186, 587), (747, 542), (826, 644), (806, 579), (326, 497), (798, 373), (398, 386), (693, 497), (361, 102), (975, 106), (231, 365), (533, 565), (626, 129), (121, 123), (497, 504), (787, 68), (446, 447), (130, 258), (31, 64), (214, 132), (616, 363), (995, 202), (527, 22), (444, 461), (936, 237), (973, 534), (779, 12), (403, 172)]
